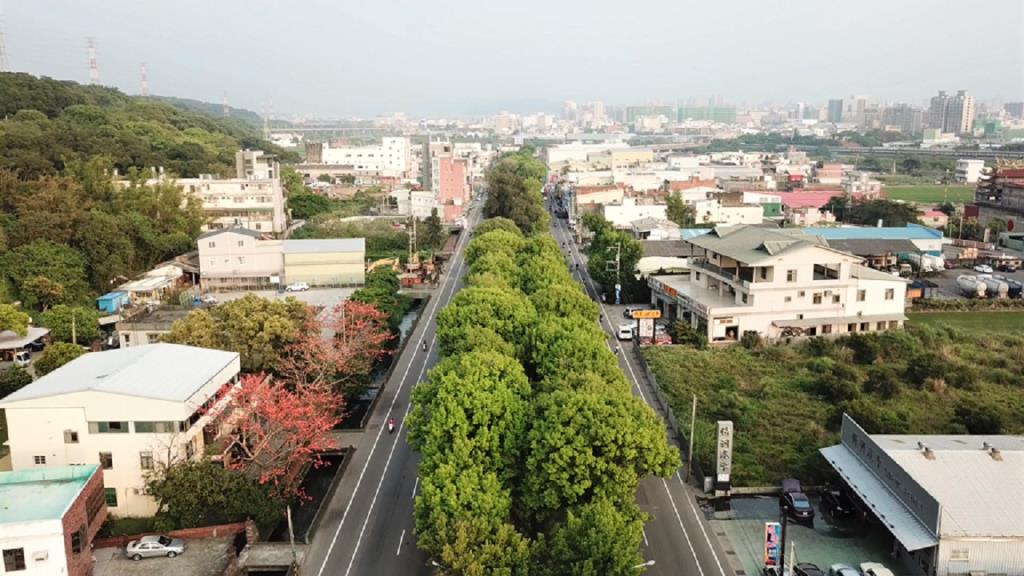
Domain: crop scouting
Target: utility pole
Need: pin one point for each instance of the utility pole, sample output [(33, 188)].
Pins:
[(693, 425), (74, 332), (618, 270)]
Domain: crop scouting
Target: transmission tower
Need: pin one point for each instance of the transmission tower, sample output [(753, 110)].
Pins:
[(3, 51), (145, 79), (94, 71), (227, 110)]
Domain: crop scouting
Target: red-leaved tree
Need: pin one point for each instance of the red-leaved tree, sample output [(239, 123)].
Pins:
[(337, 349), (277, 429)]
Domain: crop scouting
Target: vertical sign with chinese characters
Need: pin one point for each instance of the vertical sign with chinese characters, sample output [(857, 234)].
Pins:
[(723, 468), (771, 543)]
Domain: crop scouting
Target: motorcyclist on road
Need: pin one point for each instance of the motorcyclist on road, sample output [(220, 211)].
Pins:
[(424, 345), (391, 425)]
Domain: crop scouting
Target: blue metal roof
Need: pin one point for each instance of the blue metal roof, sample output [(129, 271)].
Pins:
[(910, 232), (113, 295)]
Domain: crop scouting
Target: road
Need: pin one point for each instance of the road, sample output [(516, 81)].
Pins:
[(677, 537), (368, 527)]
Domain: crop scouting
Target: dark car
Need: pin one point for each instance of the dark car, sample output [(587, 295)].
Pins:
[(795, 502), (837, 503), (36, 345), (807, 569)]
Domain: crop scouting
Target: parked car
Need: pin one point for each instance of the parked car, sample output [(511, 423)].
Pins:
[(837, 503), (796, 502), (22, 359), (625, 332), (628, 312), (983, 269), (874, 569), (842, 570), (807, 569), (296, 287), (36, 345), (208, 299), (153, 546)]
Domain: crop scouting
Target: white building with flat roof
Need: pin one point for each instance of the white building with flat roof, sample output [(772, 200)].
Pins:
[(127, 410), (950, 504), (392, 157), (777, 283), (968, 171)]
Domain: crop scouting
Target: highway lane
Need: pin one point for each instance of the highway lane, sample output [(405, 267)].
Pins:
[(369, 524), (677, 538)]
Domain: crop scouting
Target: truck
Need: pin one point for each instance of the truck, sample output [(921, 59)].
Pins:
[(1015, 287), (993, 287), (970, 286), (925, 262)]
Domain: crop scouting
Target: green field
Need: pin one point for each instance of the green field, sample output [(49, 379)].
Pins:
[(973, 321), (934, 194)]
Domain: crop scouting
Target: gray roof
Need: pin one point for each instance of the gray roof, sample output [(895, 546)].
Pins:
[(11, 341), (866, 273), (873, 246), (326, 245), (751, 244), (158, 371), (236, 230), (666, 248)]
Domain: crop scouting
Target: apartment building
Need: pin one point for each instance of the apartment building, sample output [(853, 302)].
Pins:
[(968, 171), (952, 114), (779, 284), (450, 180), (392, 157), (50, 519), (128, 410)]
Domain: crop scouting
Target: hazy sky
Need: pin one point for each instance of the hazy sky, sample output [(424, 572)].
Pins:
[(336, 58)]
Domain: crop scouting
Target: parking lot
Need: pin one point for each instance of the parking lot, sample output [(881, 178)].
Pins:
[(946, 280), (205, 557), (828, 542)]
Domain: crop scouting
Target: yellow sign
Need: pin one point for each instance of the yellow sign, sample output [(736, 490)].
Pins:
[(637, 314)]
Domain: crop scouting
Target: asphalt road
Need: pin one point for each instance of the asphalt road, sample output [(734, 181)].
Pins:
[(677, 537), (368, 527)]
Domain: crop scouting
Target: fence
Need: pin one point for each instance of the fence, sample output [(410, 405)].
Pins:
[(187, 533)]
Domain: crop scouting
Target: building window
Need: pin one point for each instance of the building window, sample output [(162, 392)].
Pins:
[(71, 436), (826, 329), (894, 324), (39, 460), (862, 295), (211, 245), (697, 276), (110, 496), (801, 294), (890, 293), (108, 427), (146, 460), (744, 297), (790, 275), (14, 559), (77, 537), (106, 460), (789, 299), (865, 327), (241, 259), (157, 427), (835, 298), (764, 273), (190, 450), (816, 299), (241, 243), (880, 326), (959, 555)]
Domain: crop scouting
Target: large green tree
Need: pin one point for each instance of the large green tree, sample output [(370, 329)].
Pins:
[(67, 323), (57, 262), (56, 355), (597, 539), (13, 379), (678, 211), (612, 258), (514, 193), (496, 223), (14, 320), (508, 314)]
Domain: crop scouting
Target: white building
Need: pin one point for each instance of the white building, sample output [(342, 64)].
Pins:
[(417, 203), (714, 211), (127, 410), (968, 171), (578, 151), (950, 505), (392, 157), (778, 283), (50, 519), (621, 215)]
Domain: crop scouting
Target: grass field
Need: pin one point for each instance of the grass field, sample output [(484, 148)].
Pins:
[(973, 321), (934, 194)]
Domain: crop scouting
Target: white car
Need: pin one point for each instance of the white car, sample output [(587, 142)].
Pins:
[(983, 268), (22, 359), (625, 332), (296, 287), (874, 569), (208, 299)]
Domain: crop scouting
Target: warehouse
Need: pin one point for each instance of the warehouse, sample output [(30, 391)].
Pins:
[(952, 504), (331, 262)]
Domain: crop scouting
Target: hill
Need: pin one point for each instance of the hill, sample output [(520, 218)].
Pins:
[(48, 124), (248, 117)]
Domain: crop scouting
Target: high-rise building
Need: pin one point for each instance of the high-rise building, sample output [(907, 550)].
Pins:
[(835, 111), (937, 110), (721, 114), (1015, 109), (635, 112), (909, 119), (952, 114), (569, 110)]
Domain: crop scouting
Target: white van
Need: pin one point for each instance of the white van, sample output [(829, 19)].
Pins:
[(22, 359)]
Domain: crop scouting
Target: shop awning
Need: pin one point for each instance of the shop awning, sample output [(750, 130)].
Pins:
[(889, 510), (831, 320)]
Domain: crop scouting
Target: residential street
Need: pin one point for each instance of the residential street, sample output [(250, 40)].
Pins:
[(368, 527), (677, 537)]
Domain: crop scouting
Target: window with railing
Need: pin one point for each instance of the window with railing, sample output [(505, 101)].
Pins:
[(826, 272)]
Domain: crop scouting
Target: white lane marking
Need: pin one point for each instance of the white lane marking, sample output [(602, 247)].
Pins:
[(391, 407), (415, 486), (668, 492), (400, 538), (387, 463), (646, 543)]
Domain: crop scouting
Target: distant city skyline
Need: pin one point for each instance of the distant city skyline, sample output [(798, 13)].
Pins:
[(455, 58)]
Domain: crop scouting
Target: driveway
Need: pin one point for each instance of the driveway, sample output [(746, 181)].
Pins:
[(205, 557)]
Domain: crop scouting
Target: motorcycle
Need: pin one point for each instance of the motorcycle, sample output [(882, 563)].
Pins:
[(424, 345), (391, 425)]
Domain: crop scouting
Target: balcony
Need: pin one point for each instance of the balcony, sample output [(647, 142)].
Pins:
[(744, 278)]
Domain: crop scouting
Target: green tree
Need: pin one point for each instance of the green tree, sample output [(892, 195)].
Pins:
[(306, 205), (996, 227), (678, 211), (494, 265), (432, 231), (910, 165), (507, 314), (13, 379), (559, 346), (43, 291), (190, 494), (61, 318), (56, 355), (513, 196), (564, 300), (14, 320), (497, 223), (381, 290), (494, 241), (684, 333), (58, 263), (606, 244), (107, 248), (597, 539)]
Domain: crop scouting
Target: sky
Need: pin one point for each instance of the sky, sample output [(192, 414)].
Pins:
[(361, 58)]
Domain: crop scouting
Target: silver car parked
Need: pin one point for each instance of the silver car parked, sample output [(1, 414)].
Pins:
[(150, 546)]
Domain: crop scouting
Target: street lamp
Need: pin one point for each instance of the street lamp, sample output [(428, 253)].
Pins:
[(647, 564)]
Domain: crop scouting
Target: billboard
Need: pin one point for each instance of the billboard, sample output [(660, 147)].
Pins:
[(772, 543), (723, 467), (638, 314)]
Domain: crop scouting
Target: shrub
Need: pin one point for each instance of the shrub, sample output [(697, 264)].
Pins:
[(685, 334)]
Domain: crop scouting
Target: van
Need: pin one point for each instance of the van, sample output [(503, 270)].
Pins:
[(22, 359)]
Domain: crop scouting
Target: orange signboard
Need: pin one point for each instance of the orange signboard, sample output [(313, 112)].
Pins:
[(637, 314)]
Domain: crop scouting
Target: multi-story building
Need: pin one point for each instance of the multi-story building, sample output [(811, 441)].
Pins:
[(905, 118), (835, 111), (391, 158), (1000, 194), (633, 113), (1014, 109), (968, 170), (416, 203), (450, 180), (952, 114), (778, 283), (128, 410), (719, 114), (50, 518)]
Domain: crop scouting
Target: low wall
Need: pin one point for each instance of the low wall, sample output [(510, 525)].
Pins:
[(185, 533)]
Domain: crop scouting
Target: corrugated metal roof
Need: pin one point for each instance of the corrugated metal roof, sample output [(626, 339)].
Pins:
[(157, 371), (242, 231), (325, 245), (886, 506), (11, 341), (866, 273), (873, 246), (751, 244), (910, 232)]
